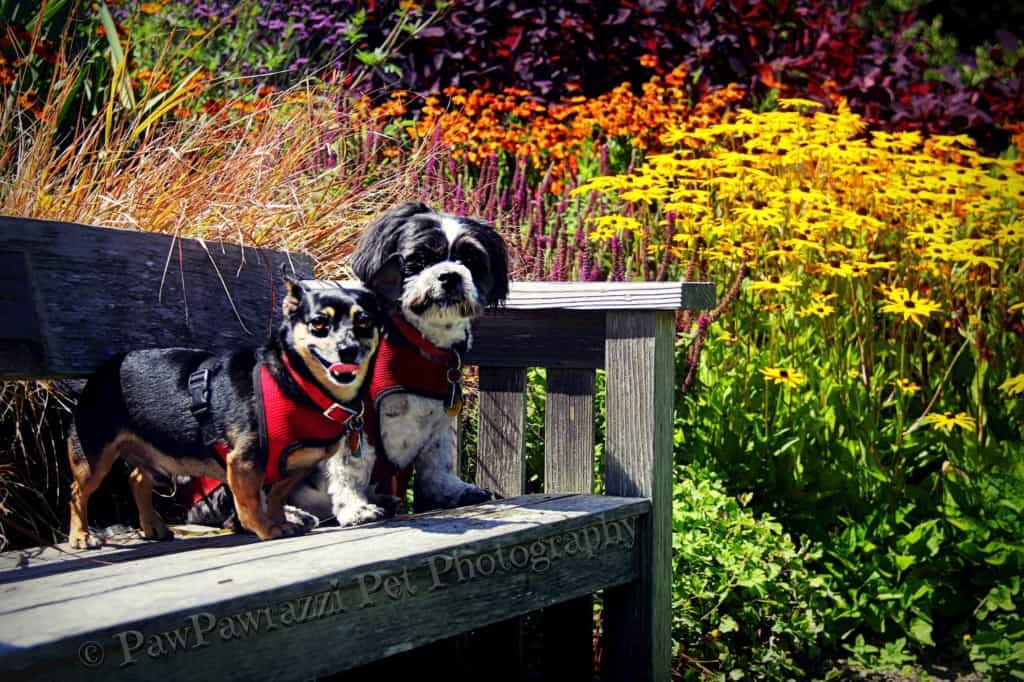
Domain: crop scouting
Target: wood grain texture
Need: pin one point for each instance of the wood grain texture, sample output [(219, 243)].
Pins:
[(80, 294), (610, 296), (638, 462), (569, 431), (501, 430), (568, 628), (308, 606), (500, 467), (539, 338)]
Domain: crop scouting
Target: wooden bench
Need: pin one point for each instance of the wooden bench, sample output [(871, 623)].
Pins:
[(229, 607)]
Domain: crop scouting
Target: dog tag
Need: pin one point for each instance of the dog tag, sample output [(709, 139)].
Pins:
[(453, 405), (355, 443)]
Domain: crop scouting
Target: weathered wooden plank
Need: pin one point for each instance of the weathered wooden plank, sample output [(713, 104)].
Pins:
[(307, 606), (500, 466), (611, 296), (539, 338), (501, 430), (638, 462), (75, 295), (568, 649), (569, 431)]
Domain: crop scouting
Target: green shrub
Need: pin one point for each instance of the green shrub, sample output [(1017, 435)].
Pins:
[(745, 603)]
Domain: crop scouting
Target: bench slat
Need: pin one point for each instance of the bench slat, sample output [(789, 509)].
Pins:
[(568, 648), (608, 295), (501, 430), (234, 608), (569, 431), (639, 386)]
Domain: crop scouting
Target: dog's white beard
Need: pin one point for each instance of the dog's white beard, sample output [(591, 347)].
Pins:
[(443, 324)]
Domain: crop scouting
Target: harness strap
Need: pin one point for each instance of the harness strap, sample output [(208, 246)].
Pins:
[(199, 391), (336, 412)]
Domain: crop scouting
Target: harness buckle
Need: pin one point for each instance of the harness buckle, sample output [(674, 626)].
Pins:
[(199, 391), (332, 412)]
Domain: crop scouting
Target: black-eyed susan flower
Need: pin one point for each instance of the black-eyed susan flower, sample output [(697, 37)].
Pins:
[(818, 309), (1014, 385), (784, 375), (947, 420), (907, 386), (910, 305), (775, 283)]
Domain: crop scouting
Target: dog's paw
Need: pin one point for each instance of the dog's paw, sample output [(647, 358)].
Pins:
[(156, 529), (285, 529), (300, 518), (474, 495), (84, 540), (354, 515), (389, 503)]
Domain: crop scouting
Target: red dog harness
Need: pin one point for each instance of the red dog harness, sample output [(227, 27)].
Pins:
[(399, 367), (285, 423)]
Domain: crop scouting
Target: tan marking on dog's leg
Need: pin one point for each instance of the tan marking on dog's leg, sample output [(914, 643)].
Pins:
[(86, 477), (245, 480), (279, 493), (153, 526)]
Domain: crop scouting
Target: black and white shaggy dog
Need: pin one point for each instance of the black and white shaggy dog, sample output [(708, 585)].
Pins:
[(433, 274)]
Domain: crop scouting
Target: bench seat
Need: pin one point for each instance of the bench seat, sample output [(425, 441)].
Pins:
[(335, 598)]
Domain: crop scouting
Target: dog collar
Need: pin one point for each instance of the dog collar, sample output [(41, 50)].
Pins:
[(332, 410), (441, 356)]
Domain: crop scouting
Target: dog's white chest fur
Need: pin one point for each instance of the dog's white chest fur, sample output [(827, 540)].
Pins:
[(410, 424)]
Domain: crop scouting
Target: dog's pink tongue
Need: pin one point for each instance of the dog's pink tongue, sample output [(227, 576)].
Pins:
[(343, 368)]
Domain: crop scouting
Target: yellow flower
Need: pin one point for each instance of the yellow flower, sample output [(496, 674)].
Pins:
[(775, 283), (910, 305), (150, 7), (798, 103), (1014, 385), (784, 375), (1014, 232), (907, 386), (726, 337), (946, 421), (821, 310)]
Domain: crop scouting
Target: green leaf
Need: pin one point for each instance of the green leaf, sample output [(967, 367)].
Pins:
[(728, 624), (1000, 597), (921, 631), (904, 561)]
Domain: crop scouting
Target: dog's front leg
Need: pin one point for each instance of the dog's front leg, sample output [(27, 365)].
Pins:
[(279, 493), (435, 485), (245, 478), (348, 482)]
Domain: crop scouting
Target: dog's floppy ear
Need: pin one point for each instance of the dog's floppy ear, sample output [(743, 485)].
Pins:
[(495, 246), (381, 239), (386, 282), (293, 294)]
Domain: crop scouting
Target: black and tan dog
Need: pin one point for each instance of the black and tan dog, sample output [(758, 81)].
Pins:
[(250, 417)]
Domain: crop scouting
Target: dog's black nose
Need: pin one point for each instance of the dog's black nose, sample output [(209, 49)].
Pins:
[(450, 281), (348, 353)]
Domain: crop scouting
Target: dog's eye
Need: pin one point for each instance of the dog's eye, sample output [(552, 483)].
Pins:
[(319, 325), (362, 324)]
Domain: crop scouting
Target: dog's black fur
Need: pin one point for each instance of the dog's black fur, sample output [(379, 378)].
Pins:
[(137, 406)]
